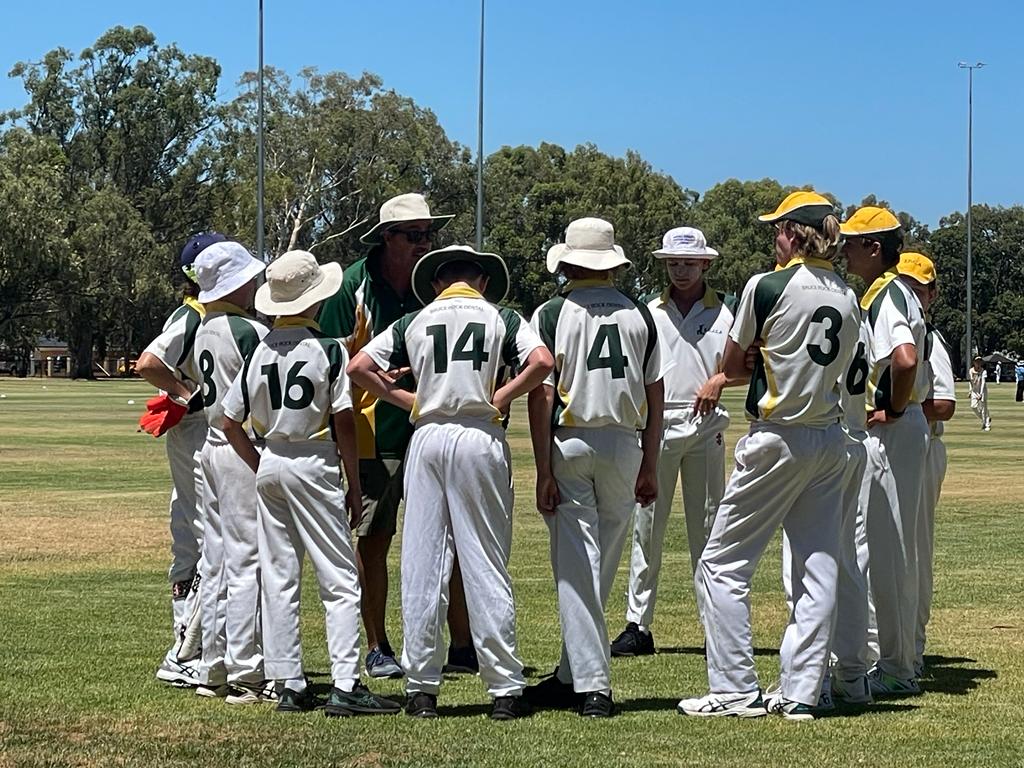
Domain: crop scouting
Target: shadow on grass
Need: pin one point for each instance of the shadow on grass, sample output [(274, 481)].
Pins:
[(947, 674), (697, 650)]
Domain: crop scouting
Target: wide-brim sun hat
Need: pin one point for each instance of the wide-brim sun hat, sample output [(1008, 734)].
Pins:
[(803, 207), (870, 221), (685, 243), (917, 266), (411, 206), (589, 243), (295, 282), (223, 268), (492, 264)]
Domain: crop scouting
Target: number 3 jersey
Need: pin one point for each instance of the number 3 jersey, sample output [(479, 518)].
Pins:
[(606, 351), (455, 346), (809, 323), (292, 383), (224, 341)]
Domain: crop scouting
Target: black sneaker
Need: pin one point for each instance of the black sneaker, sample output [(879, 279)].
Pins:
[(510, 708), (552, 693), (597, 705), (297, 701), (462, 660), (633, 642), (358, 701), (421, 705)]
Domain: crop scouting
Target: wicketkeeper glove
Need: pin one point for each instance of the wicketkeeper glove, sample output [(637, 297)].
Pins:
[(162, 413)]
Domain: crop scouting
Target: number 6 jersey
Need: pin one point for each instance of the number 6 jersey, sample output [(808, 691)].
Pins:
[(809, 323)]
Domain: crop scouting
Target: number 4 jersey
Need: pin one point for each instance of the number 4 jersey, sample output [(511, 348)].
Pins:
[(606, 351), (808, 321), (455, 346), (292, 383)]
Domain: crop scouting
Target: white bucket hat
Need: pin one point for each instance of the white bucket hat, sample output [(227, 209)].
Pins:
[(589, 243), (223, 268), (685, 243), (408, 207), (295, 282)]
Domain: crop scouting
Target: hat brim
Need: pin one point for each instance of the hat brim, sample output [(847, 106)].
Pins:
[(492, 264), (327, 287), (847, 231), (811, 215), (233, 283), (667, 253), (580, 257), (374, 236)]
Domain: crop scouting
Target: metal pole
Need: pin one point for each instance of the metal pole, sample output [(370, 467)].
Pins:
[(259, 149), (970, 178), (480, 143)]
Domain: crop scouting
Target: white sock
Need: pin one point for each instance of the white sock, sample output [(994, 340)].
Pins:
[(345, 685), (297, 684)]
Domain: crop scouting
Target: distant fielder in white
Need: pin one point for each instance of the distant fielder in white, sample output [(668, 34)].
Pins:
[(979, 393), (693, 323)]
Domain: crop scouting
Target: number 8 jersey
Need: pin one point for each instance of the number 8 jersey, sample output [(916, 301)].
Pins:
[(606, 351), (808, 321)]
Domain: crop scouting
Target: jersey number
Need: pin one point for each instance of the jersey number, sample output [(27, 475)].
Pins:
[(295, 379), (608, 335), (209, 385), (857, 377), (834, 323), (469, 346)]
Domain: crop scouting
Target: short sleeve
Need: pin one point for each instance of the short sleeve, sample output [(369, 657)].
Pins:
[(942, 384), (744, 326), (658, 364), (235, 403), (388, 349), (520, 339), (543, 323), (341, 389), (891, 330)]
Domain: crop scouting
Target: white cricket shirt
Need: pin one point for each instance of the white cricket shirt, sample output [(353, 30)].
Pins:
[(893, 317), (940, 371)]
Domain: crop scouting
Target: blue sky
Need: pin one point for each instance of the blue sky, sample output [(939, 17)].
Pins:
[(850, 98)]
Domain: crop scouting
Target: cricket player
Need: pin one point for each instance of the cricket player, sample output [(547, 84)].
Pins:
[(918, 272), (693, 323), (605, 392), (979, 393), (294, 390), (232, 665), (897, 441), (789, 467), (168, 365), (458, 476), (375, 292)]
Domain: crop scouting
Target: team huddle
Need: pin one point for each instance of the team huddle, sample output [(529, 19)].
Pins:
[(394, 379)]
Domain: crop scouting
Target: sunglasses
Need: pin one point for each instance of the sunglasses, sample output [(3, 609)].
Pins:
[(414, 236)]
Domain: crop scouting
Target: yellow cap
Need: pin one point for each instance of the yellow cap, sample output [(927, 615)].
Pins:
[(869, 220), (804, 207), (917, 266)]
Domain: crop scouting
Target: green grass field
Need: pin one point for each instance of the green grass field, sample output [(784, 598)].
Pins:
[(84, 622)]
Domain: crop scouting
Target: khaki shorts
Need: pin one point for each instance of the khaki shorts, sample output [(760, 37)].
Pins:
[(381, 481)]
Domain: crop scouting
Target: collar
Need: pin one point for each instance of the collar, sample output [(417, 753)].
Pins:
[(810, 261), (877, 287), (294, 321), (459, 291), (710, 298), (193, 302), (226, 307), (592, 282)]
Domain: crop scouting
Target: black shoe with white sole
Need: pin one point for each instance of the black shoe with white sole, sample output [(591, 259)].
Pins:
[(633, 642), (597, 704)]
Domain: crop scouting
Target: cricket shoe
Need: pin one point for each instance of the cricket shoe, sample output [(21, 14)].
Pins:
[(358, 701), (597, 704), (255, 693), (181, 674), (462, 660), (854, 691), (883, 684), (825, 701), (778, 704), (213, 691), (421, 704), (743, 705), (381, 663), (510, 708), (552, 693), (290, 701), (632, 641)]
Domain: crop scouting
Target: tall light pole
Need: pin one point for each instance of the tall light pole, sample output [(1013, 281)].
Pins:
[(970, 174), (259, 147), (480, 143)]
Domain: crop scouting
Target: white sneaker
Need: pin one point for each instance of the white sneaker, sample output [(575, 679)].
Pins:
[(213, 691), (724, 705), (789, 709), (182, 674), (242, 693), (855, 691), (883, 684)]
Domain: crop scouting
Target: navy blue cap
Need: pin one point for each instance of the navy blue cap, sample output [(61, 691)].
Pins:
[(197, 244)]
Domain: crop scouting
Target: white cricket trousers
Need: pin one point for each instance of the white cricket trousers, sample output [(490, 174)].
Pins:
[(692, 451), (596, 470), (790, 476), (934, 474), (230, 588), (184, 447), (980, 407), (458, 497), (895, 471), (302, 512), (850, 625)]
